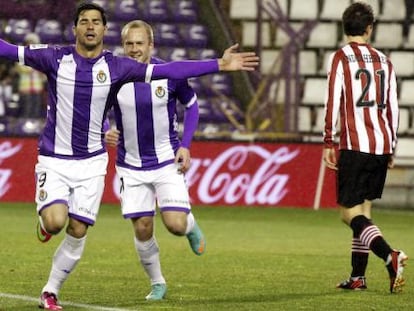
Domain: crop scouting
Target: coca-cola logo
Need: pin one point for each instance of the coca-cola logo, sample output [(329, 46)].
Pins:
[(7, 150), (228, 177)]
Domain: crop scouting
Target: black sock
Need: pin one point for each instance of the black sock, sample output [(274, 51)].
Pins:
[(359, 223), (381, 248), (359, 258), (371, 236)]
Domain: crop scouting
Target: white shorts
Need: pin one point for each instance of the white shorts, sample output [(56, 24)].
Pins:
[(79, 184), (142, 190)]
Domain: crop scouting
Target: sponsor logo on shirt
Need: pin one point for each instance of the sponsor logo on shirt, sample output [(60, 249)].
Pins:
[(37, 46), (67, 61)]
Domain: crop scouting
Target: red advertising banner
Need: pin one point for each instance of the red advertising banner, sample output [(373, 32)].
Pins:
[(221, 173)]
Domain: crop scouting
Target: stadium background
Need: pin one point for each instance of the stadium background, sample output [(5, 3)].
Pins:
[(245, 118)]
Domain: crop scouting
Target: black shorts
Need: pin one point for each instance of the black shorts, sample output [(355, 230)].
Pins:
[(361, 176)]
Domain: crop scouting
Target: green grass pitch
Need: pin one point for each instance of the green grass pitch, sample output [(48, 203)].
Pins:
[(256, 259)]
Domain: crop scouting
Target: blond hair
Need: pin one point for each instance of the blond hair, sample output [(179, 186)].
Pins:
[(138, 24)]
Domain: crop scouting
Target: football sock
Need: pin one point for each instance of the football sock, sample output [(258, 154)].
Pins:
[(149, 255), (381, 248), (64, 261), (359, 258), (370, 236), (190, 223)]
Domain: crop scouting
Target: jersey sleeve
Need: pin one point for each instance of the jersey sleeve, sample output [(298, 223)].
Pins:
[(332, 98), (133, 71), (38, 56), (187, 97), (190, 124), (185, 93), (182, 69), (9, 51)]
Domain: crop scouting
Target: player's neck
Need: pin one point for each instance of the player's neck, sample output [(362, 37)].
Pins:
[(89, 53), (357, 39)]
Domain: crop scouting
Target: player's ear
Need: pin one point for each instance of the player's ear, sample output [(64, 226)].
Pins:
[(369, 29)]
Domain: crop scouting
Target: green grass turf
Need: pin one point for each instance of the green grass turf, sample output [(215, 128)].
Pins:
[(256, 259)]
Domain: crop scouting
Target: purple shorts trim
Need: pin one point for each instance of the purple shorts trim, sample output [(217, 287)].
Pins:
[(138, 215), (175, 209), (82, 219), (53, 202)]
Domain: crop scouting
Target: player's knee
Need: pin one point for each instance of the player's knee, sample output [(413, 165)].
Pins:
[(54, 225), (53, 229), (77, 229), (175, 222), (143, 227), (143, 234), (76, 232), (54, 218), (176, 227)]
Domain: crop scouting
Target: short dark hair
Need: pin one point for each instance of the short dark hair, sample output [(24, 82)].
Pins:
[(356, 18), (86, 6)]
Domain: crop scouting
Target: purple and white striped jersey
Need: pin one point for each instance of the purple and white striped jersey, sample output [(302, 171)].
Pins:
[(81, 91), (145, 115)]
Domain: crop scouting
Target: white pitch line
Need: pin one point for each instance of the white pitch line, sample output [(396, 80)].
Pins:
[(64, 303)]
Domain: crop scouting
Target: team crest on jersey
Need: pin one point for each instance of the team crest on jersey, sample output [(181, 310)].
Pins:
[(160, 92), (101, 76), (42, 195)]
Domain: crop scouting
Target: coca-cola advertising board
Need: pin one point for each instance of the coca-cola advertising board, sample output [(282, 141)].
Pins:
[(221, 173)]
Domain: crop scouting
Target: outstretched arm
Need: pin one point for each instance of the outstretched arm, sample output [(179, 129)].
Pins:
[(8, 50), (233, 61)]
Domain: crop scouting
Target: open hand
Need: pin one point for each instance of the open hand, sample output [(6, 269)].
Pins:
[(234, 61)]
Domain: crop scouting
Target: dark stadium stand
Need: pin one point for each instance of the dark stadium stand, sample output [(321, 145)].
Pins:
[(16, 29), (49, 30), (125, 10)]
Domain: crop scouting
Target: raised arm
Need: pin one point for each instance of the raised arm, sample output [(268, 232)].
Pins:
[(9, 51), (231, 61)]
